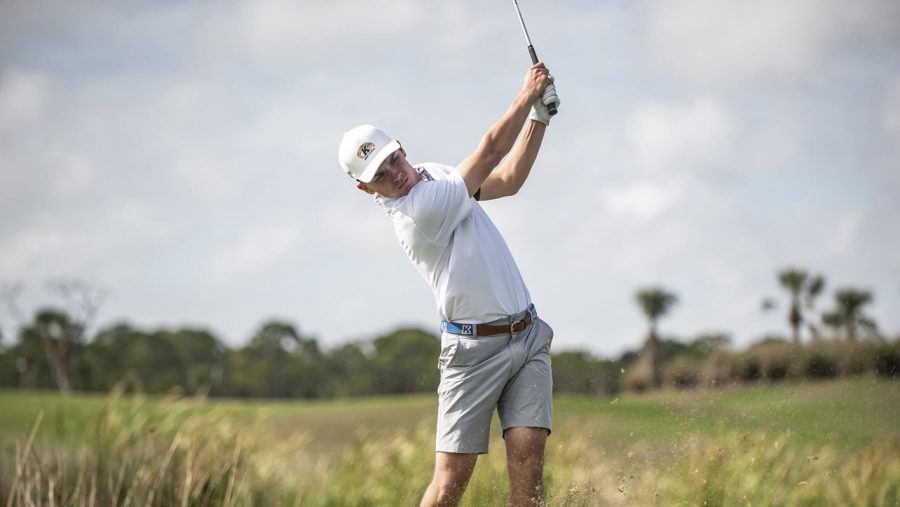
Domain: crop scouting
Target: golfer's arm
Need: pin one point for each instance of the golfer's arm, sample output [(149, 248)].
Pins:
[(495, 144), (507, 179)]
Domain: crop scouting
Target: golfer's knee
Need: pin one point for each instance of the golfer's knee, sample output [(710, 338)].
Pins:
[(527, 462), (448, 489)]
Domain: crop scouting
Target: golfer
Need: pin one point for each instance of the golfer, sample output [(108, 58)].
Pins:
[(495, 350)]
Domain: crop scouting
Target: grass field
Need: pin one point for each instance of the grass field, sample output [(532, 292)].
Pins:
[(829, 443)]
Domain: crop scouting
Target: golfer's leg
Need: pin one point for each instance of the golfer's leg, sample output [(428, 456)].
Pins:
[(452, 472), (525, 462)]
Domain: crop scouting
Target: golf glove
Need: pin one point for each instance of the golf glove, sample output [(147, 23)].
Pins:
[(539, 111)]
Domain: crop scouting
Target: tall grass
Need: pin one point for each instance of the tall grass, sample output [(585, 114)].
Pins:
[(161, 452), (140, 451)]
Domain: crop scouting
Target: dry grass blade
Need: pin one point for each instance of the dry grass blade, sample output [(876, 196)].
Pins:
[(92, 497), (51, 487), (188, 477), (234, 464), (162, 469), (20, 465), (117, 489)]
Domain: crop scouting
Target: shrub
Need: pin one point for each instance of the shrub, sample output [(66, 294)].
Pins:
[(749, 368), (819, 365), (682, 372), (887, 360), (851, 358), (777, 369), (778, 360), (580, 372), (719, 368), (637, 376)]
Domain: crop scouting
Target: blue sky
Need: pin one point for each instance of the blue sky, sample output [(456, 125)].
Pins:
[(182, 155)]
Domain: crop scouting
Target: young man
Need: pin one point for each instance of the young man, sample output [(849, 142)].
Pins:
[(495, 351)]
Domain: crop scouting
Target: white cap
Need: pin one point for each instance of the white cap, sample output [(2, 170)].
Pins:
[(363, 149)]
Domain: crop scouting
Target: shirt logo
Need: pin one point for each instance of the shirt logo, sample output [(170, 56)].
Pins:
[(365, 150)]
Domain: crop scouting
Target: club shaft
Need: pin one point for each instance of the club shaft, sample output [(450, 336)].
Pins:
[(525, 31), (551, 107)]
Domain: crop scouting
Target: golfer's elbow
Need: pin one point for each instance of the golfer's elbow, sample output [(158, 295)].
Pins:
[(499, 140), (510, 192), (515, 187), (511, 184), (490, 152)]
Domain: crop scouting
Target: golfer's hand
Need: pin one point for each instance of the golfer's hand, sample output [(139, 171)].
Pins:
[(536, 81), (539, 111)]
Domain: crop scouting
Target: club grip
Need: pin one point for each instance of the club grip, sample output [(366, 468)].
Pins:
[(551, 108)]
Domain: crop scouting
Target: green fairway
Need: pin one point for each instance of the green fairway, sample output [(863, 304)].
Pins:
[(684, 445), (850, 413), (847, 413)]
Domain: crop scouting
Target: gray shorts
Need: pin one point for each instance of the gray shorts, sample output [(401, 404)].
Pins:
[(478, 373)]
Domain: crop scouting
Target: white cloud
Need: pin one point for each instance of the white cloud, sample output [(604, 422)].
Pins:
[(23, 97), (290, 32), (665, 136), (205, 177), (258, 249), (70, 245), (360, 225), (714, 39), (73, 174), (640, 201), (891, 116), (279, 29), (37, 253), (843, 237)]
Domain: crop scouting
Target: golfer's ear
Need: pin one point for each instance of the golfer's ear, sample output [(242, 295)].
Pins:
[(362, 186)]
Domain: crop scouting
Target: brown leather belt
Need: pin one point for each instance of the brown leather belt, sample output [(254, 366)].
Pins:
[(515, 327), (487, 330)]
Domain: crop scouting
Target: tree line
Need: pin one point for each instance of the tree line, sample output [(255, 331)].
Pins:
[(277, 362), (845, 321), (51, 350)]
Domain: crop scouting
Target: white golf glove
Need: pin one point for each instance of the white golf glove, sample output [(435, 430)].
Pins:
[(539, 111)]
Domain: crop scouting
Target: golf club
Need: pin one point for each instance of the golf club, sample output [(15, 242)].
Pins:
[(534, 59)]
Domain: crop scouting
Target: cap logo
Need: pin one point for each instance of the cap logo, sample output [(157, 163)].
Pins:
[(365, 150)]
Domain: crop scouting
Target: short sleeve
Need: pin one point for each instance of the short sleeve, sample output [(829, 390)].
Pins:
[(438, 206)]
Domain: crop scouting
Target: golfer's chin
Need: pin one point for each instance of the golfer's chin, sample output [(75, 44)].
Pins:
[(407, 188)]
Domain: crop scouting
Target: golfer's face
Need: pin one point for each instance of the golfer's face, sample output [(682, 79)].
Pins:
[(395, 177)]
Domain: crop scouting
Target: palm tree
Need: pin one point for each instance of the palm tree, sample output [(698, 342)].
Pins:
[(793, 280), (803, 288), (833, 321), (813, 290), (850, 302), (654, 302)]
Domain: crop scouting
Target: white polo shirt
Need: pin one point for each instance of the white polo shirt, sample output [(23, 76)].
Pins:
[(456, 248)]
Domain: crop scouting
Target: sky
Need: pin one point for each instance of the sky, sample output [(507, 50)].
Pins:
[(182, 156)]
